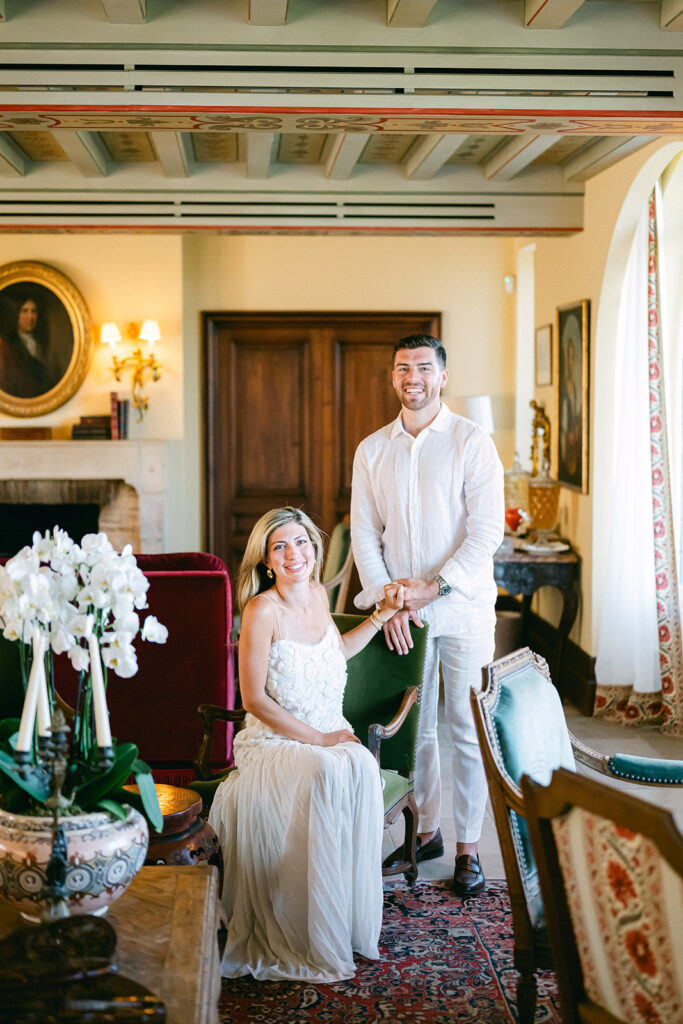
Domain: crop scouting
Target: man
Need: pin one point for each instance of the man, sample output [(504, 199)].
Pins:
[(427, 510)]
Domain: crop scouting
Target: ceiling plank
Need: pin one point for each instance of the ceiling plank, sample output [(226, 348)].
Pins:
[(549, 13), (515, 155), (256, 149), (431, 153), (602, 154), (12, 161), (672, 15), (174, 153), (126, 12), (87, 151), (344, 154), (409, 13), (268, 12)]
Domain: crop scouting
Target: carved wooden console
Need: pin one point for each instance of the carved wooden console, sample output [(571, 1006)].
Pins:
[(519, 572)]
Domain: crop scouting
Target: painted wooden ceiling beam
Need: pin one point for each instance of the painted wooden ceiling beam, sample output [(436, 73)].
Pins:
[(409, 13), (13, 161), (515, 155), (603, 154), (256, 150), (431, 153), (126, 12), (174, 153), (87, 151), (549, 13), (267, 12), (672, 15), (344, 154)]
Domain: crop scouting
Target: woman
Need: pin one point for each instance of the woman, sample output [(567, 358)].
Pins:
[(300, 822)]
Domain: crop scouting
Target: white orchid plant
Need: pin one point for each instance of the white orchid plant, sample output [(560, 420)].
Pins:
[(81, 600)]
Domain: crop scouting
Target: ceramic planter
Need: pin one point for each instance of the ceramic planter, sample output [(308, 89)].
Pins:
[(104, 855)]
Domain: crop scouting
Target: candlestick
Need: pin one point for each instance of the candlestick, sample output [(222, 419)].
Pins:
[(28, 714), (102, 730)]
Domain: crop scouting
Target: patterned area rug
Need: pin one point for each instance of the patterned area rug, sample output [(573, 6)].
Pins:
[(443, 960)]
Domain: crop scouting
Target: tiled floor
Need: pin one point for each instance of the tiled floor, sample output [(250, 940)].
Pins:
[(605, 737)]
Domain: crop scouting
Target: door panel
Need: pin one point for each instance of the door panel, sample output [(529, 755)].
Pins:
[(287, 398)]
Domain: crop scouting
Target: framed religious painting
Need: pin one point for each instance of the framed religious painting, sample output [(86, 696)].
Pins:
[(572, 359), (544, 356), (45, 338)]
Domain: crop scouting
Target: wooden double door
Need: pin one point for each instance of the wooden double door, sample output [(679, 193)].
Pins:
[(287, 398)]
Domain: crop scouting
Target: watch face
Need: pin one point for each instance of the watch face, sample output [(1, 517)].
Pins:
[(444, 588)]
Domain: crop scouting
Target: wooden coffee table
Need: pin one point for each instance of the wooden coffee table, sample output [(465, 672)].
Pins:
[(167, 930)]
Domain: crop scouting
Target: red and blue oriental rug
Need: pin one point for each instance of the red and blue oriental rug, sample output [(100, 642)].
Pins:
[(444, 960)]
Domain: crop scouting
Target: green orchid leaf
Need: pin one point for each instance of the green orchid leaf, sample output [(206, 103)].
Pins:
[(12, 798), (100, 785), (113, 808), (8, 728), (36, 785), (148, 795)]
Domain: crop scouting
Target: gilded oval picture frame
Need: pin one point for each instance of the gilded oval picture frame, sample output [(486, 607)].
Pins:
[(45, 338)]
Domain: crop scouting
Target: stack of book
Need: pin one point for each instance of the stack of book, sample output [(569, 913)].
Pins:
[(112, 427), (92, 428)]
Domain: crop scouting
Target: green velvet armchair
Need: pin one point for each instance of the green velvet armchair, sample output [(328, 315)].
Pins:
[(522, 731), (382, 687)]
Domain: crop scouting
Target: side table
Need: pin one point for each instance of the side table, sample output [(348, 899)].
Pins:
[(186, 837), (520, 572), (166, 925)]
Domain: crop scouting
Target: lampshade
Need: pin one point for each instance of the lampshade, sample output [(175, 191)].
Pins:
[(150, 332), (476, 408), (109, 334)]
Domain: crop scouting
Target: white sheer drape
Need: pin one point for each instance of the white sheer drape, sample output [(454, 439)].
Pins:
[(628, 649)]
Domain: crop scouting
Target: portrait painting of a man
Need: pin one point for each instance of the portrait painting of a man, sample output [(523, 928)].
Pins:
[(36, 340), (45, 338)]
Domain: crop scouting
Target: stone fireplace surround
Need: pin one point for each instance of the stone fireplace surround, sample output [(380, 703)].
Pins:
[(125, 478)]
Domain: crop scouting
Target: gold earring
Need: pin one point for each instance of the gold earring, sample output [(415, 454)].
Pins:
[(269, 573)]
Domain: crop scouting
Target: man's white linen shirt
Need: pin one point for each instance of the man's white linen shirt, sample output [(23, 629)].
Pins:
[(426, 506)]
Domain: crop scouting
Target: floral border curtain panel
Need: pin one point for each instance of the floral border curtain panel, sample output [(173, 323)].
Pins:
[(639, 667)]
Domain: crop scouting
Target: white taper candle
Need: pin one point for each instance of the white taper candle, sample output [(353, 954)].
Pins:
[(28, 714), (44, 716), (99, 697)]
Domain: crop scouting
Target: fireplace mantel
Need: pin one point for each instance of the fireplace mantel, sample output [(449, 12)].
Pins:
[(138, 463)]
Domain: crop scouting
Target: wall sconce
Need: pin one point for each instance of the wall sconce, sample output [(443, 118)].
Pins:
[(136, 361)]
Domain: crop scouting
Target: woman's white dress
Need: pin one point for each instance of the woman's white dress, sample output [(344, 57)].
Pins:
[(300, 827)]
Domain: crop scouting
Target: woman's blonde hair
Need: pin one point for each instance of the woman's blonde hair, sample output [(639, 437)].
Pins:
[(252, 578)]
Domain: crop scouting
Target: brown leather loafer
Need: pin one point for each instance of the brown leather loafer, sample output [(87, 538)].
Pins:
[(423, 851), (468, 878)]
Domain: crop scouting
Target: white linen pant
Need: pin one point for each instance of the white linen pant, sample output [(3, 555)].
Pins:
[(461, 661)]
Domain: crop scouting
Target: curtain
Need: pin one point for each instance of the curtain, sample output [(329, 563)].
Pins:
[(639, 668)]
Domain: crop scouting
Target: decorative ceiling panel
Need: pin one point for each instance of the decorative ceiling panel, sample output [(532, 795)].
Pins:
[(129, 147), (39, 146), (219, 148)]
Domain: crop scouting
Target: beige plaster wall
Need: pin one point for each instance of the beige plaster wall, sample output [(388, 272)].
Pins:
[(122, 278), (590, 266), (460, 278)]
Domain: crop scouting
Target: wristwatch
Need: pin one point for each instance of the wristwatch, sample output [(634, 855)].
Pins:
[(444, 588)]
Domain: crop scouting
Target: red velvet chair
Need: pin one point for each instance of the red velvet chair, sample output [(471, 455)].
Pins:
[(157, 708)]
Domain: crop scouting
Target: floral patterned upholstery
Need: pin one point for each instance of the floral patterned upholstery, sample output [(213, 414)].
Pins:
[(626, 906)]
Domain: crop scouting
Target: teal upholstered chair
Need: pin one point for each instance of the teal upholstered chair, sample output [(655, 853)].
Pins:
[(381, 703), (336, 574), (522, 731)]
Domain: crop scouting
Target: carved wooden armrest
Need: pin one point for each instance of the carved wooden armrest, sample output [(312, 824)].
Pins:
[(210, 713), (377, 733)]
